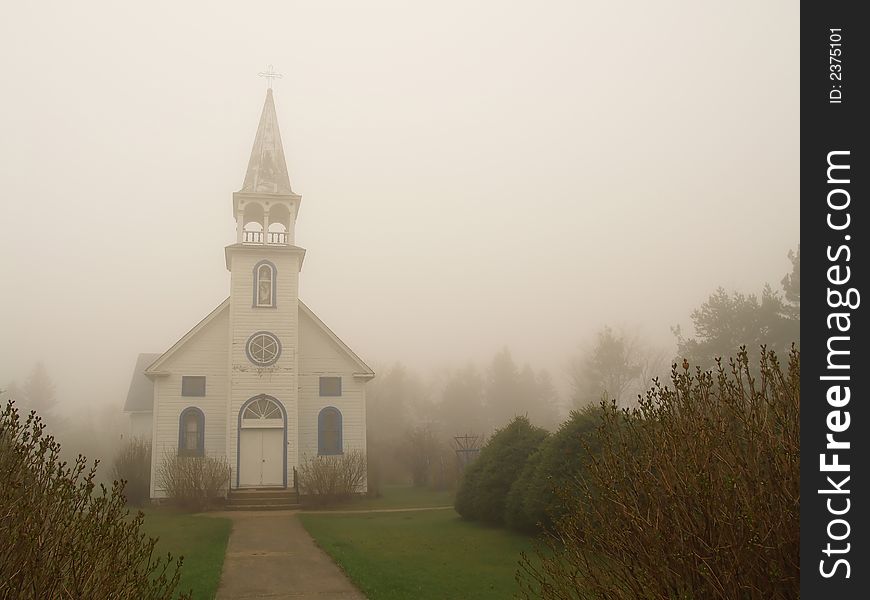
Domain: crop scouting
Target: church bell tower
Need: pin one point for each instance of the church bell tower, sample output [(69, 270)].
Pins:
[(264, 265)]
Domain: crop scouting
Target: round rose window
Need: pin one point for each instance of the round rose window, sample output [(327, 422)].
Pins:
[(263, 348)]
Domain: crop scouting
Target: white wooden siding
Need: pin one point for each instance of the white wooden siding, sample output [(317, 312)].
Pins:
[(279, 380), (322, 357), (217, 351), (204, 354)]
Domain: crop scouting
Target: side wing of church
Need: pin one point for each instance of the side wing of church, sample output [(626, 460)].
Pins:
[(260, 380)]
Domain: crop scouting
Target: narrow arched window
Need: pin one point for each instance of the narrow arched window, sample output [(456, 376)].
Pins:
[(329, 431), (264, 284), (191, 432)]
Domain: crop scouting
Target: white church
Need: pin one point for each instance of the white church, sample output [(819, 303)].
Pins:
[(260, 380)]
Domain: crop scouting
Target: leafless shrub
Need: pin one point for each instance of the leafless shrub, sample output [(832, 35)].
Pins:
[(133, 466), (327, 479), (61, 537), (193, 482), (695, 494)]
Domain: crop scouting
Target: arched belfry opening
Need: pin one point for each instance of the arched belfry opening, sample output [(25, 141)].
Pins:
[(271, 222), (280, 221), (252, 219), (266, 206)]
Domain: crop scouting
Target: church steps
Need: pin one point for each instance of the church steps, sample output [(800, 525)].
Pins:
[(235, 501), (262, 499), (263, 493)]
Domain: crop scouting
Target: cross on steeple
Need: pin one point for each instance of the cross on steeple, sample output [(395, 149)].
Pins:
[(270, 74)]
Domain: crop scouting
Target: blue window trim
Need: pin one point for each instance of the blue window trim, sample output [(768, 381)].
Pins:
[(200, 442), (239, 433), (320, 383), (191, 377), (251, 358), (320, 417), (256, 285)]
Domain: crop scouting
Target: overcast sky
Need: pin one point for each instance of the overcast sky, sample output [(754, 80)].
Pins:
[(474, 174)]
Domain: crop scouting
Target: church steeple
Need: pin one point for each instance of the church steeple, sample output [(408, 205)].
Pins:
[(266, 207), (267, 169)]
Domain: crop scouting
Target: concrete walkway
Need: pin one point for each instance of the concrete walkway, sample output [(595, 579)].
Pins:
[(363, 511), (270, 555)]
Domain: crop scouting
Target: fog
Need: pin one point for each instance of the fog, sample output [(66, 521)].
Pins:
[(475, 175)]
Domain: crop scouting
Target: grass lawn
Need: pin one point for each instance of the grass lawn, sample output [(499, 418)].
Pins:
[(397, 496), (425, 555), (201, 540)]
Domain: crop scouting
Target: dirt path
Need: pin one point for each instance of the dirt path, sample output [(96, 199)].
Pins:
[(270, 555)]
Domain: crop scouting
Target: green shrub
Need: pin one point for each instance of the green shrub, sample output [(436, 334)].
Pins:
[(63, 538), (332, 478), (194, 482), (694, 494), (486, 482), (532, 502), (133, 466)]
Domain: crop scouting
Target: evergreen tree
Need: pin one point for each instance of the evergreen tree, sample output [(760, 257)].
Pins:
[(791, 283), (725, 322), (38, 391), (485, 484), (461, 409), (611, 368), (503, 390), (539, 397)]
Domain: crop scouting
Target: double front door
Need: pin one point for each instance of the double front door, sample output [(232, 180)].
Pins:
[(261, 457)]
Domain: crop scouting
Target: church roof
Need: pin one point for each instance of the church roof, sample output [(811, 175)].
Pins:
[(153, 368), (267, 169), (364, 370), (140, 396)]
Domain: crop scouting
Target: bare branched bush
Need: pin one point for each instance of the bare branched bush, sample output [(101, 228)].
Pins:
[(61, 536), (133, 466), (194, 482), (693, 494), (328, 479)]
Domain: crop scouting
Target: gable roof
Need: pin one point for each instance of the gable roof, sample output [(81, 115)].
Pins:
[(140, 396), (154, 369), (364, 370)]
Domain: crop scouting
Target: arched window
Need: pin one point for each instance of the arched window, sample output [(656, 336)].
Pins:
[(191, 432), (262, 408), (329, 431), (264, 284)]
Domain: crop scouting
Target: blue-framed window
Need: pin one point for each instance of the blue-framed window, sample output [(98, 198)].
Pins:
[(191, 432), (329, 431), (265, 284), (330, 386), (192, 385)]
